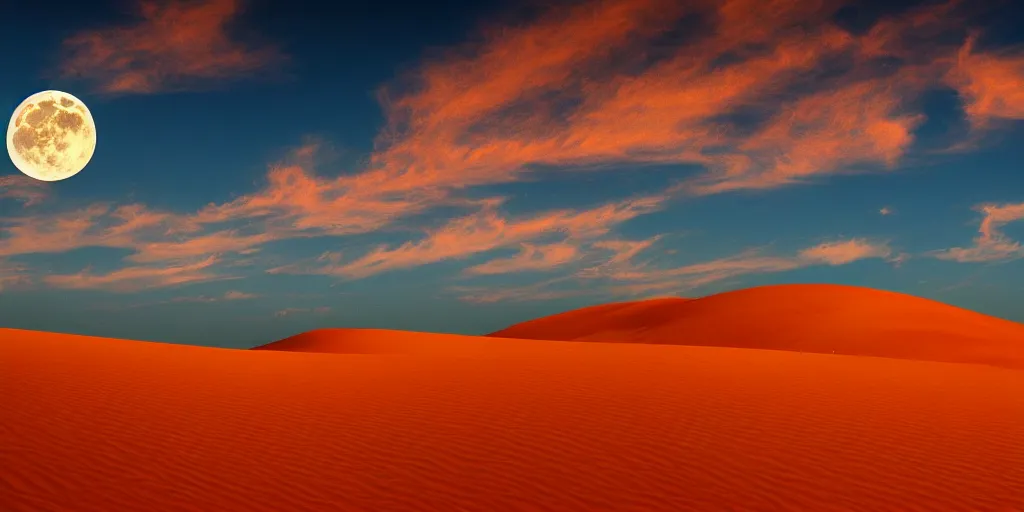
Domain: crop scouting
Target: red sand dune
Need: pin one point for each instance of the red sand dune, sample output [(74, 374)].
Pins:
[(385, 341), (93, 424), (806, 318)]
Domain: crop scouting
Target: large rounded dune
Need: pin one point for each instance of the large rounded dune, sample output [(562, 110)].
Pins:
[(804, 318)]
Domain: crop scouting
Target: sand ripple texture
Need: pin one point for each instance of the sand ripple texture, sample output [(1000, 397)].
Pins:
[(92, 424)]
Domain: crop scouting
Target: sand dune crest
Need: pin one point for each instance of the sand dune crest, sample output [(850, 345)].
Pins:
[(803, 318)]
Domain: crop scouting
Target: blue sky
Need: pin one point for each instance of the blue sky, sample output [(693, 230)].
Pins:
[(266, 168)]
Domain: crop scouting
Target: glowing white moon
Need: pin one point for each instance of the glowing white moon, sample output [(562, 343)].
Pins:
[(51, 136)]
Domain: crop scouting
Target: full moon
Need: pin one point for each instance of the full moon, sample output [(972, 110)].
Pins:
[(51, 136)]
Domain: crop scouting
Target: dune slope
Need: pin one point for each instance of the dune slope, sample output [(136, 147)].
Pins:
[(95, 424), (808, 318), (386, 341)]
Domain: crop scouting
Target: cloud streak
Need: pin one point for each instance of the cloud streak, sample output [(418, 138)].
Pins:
[(991, 84), (990, 244), (133, 279), (230, 295), (24, 189), (174, 45), (620, 275), (286, 312), (13, 276), (530, 258), (484, 231)]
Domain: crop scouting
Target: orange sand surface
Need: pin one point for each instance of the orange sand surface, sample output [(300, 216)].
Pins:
[(93, 424), (804, 318), (383, 341)]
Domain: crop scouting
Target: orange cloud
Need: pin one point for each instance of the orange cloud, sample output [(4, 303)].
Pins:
[(22, 188), (625, 250), (521, 63), (483, 231), (847, 251), (97, 225), (51, 233), (296, 201), (991, 85), (822, 133), (13, 276), (917, 34), (644, 279), (132, 279), (618, 256), (627, 278), (698, 274), (218, 242), (485, 118), (292, 206), (828, 253), (487, 114), (174, 45), (530, 258), (168, 243), (990, 244), (227, 296)]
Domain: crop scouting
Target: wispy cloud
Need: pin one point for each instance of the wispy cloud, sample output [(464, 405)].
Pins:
[(537, 291), (530, 258), (616, 256), (991, 84), (174, 44), (131, 279), (820, 134), (846, 251), (480, 232), (281, 313), (237, 295), (97, 225), (990, 244), (623, 277), (13, 275), (230, 295), (22, 188)]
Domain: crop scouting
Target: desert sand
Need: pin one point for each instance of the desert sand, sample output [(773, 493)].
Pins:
[(798, 317), (94, 424)]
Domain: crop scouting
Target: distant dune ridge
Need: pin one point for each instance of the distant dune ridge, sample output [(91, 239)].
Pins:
[(356, 420), (391, 342), (803, 318), (800, 317)]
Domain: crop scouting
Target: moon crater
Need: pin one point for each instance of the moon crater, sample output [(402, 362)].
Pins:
[(51, 136)]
